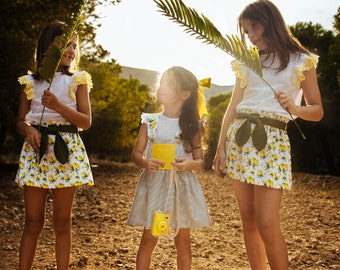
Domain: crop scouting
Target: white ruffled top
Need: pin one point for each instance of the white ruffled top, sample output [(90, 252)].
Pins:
[(63, 86), (258, 96)]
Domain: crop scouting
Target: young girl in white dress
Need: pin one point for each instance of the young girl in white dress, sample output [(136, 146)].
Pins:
[(63, 164), (178, 124), (254, 148)]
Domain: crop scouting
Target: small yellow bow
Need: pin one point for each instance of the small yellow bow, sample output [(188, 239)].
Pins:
[(202, 109)]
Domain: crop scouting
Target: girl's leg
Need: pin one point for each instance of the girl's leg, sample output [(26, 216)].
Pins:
[(62, 208), (254, 245), (35, 201), (183, 247), (146, 247), (267, 205)]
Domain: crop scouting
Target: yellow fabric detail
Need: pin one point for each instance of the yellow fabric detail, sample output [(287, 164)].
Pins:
[(236, 68), (310, 62), (202, 109), (28, 86), (82, 77)]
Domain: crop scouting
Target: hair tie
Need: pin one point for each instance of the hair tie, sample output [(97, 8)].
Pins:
[(202, 109)]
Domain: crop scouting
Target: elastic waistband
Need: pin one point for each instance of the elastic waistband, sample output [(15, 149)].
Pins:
[(265, 121)]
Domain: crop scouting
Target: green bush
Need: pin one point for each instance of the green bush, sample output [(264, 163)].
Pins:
[(216, 107)]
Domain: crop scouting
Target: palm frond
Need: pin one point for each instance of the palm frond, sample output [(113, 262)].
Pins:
[(203, 29), (52, 56)]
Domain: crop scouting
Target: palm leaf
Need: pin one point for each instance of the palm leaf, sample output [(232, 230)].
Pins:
[(203, 29), (52, 56)]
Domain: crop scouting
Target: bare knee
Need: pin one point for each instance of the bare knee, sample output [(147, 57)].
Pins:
[(268, 230), (249, 223), (62, 225), (148, 242), (34, 226), (182, 240)]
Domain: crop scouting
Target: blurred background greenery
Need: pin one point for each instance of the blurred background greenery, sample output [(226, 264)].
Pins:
[(117, 101)]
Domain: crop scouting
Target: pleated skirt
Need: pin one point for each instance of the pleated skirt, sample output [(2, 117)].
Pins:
[(152, 194)]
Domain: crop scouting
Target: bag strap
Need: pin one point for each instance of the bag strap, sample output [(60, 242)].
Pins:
[(173, 179)]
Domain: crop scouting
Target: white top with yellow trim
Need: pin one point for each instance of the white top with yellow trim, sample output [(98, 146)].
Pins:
[(63, 86), (259, 97)]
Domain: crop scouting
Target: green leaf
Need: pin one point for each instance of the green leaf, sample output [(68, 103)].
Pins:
[(203, 29), (52, 56)]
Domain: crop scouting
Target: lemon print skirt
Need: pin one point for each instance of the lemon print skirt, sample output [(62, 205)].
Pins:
[(270, 167), (50, 173)]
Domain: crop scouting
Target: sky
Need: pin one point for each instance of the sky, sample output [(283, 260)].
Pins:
[(137, 35)]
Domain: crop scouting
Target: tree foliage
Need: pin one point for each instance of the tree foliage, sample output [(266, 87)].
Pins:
[(319, 151), (116, 107), (216, 109)]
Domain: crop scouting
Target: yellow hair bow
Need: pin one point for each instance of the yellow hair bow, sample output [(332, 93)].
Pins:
[(202, 109)]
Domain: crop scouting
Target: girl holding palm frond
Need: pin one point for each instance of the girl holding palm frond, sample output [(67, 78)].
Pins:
[(254, 148), (63, 163)]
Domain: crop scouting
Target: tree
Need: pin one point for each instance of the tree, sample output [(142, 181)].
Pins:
[(319, 151), (116, 107)]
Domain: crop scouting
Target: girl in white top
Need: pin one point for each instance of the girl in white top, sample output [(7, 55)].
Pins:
[(253, 148), (178, 125), (67, 108)]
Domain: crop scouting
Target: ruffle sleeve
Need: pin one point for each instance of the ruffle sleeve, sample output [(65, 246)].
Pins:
[(27, 81), (150, 119), (81, 77), (239, 72), (305, 62)]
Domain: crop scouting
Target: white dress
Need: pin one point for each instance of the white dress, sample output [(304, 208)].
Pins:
[(152, 189), (49, 173)]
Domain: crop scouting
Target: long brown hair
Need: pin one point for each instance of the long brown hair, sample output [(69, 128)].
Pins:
[(47, 36), (277, 35), (189, 121)]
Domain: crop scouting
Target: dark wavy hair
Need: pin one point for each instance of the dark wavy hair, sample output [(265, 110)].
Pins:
[(189, 121), (277, 35), (47, 36)]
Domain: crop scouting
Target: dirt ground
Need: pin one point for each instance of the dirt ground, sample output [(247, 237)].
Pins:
[(103, 240)]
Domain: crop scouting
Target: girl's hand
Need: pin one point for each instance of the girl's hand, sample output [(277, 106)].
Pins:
[(50, 100), (286, 101), (219, 163), (182, 164), (33, 137), (153, 165)]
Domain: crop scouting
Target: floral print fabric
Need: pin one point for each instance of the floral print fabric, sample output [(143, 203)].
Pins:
[(270, 167), (49, 173)]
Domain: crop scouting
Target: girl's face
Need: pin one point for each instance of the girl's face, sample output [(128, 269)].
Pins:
[(70, 52), (254, 32), (166, 92)]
